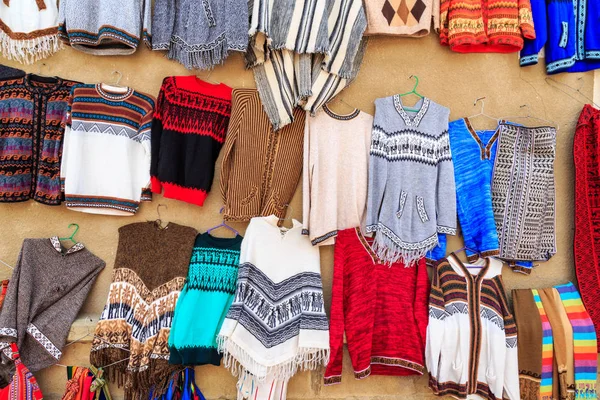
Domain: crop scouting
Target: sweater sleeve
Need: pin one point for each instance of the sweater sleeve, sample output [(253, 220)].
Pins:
[(228, 149), (526, 22), (145, 133), (163, 22), (532, 47), (446, 187), (435, 328), (64, 152), (306, 175), (438, 252), (377, 177), (333, 373), (10, 310), (147, 24), (511, 361), (443, 24), (155, 137), (421, 298)]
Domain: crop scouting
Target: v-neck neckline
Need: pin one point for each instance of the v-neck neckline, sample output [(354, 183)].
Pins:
[(272, 221), (416, 119), (367, 247), (468, 275), (486, 149)]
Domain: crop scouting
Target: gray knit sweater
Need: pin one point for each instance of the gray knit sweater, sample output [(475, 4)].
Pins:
[(411, 194), (46, 291), (200, 33), (107, 27)]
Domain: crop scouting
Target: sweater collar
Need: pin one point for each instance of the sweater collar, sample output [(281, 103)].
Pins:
[(55, 241)]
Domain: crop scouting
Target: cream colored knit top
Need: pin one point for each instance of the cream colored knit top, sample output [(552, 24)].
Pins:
[(335, 177), (401, 17)]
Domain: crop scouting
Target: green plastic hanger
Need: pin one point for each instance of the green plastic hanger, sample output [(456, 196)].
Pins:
[(72, 237), (413, 91)]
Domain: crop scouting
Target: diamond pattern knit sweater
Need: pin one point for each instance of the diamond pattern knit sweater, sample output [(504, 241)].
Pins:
[(401, 17), (189, 127)]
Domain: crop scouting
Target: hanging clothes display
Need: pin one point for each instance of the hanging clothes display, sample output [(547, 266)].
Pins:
[(188, 131), (277, 323), (402, 18), (182, 386), (336, 159), (204, 300), (107, 122), (261, 168), (32, 123), (150, 269), (472, 337), (28, 29), (107, 29), (48, 287), (302, 54), (10, 73), (411, 192), (568, 32), (586, 245), (86, 384), (382, 311), (21, 384), (200, 36), (523, 197)]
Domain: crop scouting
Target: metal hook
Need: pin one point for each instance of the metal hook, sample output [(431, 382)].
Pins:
[(528, 109), (158, 210), (480, 99), (119, 78)]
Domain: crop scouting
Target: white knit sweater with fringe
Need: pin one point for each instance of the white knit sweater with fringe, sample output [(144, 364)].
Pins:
[(277, 324), (28, 29)]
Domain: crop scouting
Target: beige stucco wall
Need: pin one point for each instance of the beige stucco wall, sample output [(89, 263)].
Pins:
[(452, 80)]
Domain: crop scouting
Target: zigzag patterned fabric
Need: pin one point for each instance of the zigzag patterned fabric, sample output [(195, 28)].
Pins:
[(106, 155), (277, 323)]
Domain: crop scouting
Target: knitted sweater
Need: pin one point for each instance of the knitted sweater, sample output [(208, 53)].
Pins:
[(150, 269), (32, 122), (112, 27), (204, 300), (106, 155), (188, 131), (411, 192), (28, 29), (10, 73), (46, 291), (277, 323), (261, 168), (401, 18), (476, 26), (200, 35), (472, 337), (382, 311), (336, 158)]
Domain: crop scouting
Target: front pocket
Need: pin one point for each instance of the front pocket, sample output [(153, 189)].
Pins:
[(564, 38), (421, 209), (403, 196)]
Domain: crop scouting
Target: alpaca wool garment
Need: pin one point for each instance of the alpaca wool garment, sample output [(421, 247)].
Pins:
[(112, 27), (586, 247), (381, 309), (32, 123), (190, 122), (411, 192), (10, 73), (149, 273), (548, 372), (523, 197), (48, 287), (477, 26), (276, 324), (28, 30), (335, 174), (472, 337), (529, 343), (401, 18), (200, 35), (22, 385), (260, 168), (204, 300), (105, 166), (584, 342)]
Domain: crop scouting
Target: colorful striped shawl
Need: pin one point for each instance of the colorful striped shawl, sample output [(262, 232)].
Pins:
[(547, 350), (584, 338)]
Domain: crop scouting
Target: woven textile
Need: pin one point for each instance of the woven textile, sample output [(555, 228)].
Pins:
[(401, 17), (22, 385), (586, 150), (547, 350), (523, 197)]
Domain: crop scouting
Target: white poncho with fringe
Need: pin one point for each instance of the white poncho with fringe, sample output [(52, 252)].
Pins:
[(277, 324), (28, 29)]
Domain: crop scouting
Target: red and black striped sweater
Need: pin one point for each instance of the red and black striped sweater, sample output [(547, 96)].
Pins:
[(188, 131)]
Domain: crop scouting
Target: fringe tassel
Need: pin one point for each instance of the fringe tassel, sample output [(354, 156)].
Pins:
[(194, 57), (389, 252), (240, 362), (30, 50)]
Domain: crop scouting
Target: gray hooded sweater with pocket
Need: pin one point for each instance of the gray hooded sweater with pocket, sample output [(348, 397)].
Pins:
[(411, 195)]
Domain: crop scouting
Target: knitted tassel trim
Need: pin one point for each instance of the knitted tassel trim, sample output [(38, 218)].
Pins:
[(390, 249), (239, 362), (585, 391), (28, 51), (204, 56)]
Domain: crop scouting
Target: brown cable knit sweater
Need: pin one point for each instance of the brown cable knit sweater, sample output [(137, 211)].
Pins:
[(150, 270)]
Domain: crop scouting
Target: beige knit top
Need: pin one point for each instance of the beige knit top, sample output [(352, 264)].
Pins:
[(336, 160), (401, 17)]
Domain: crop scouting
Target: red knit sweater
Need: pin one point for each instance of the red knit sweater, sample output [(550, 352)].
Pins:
[(382, 310)]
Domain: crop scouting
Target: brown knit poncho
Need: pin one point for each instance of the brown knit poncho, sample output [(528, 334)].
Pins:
[(150, 270)]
